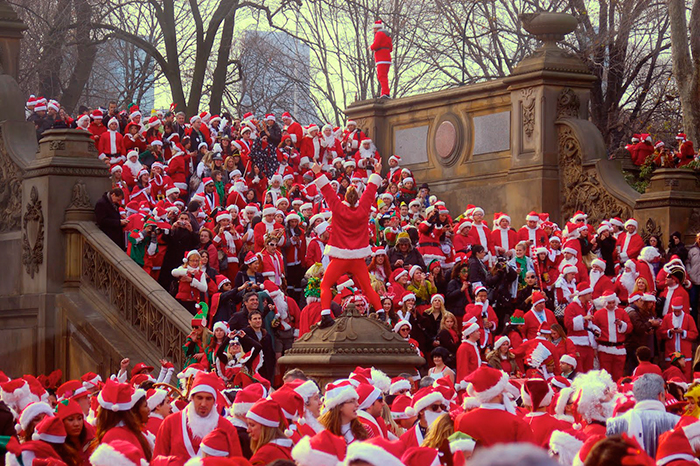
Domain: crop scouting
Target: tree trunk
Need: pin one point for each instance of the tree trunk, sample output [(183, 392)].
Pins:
[(222, 63), (87, 51), (52, 57), (685, 69)]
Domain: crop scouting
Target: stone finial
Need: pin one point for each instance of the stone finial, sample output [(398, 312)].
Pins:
[(550, 28)]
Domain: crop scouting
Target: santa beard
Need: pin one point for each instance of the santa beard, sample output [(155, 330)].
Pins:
[(201, 426), (328, 141), (594, 277), (627, 280), (366, 153), (134, 167)]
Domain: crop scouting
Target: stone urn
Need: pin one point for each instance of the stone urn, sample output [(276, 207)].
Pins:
[(327, 354)]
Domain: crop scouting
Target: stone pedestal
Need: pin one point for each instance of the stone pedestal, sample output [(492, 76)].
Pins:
[(11, 28), (670, 203)]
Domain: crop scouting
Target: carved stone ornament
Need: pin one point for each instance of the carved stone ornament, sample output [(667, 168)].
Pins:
[(568, 104), (80, 198), (57, 145), (528, 104), (33, 234), (651, 229), (10, 191), (694, 222), (580, 190)]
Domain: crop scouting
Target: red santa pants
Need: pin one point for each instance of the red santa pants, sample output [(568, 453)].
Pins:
[(383, 77), (586, 355), (358, 269), (613, 363)]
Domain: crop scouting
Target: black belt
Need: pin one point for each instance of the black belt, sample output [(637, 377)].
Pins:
[(425, 245), (609, 343)]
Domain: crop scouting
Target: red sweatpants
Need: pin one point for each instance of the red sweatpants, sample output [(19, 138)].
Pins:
[(585, 359), (383, 77), (613, 363), (360, 275)]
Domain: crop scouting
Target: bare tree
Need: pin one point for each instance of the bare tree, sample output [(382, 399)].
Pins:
[(686, 61)]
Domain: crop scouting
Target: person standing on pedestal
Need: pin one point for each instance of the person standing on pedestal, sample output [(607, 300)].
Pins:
[(382, 48)]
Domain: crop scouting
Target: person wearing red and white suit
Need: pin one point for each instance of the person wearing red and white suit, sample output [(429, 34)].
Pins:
[(532, 233), (679, 331), (228, 241), (348, 245), (645, 268), (614, 324), (382, 48), (178, 170), (111, 144), (181, 433), (536, 316), (686, 152), (352, 137), (503, 237), (370, 409), (673, 289), (131, 168), (317, 245), (310, 145), (488, 386), (293, 128), (421, 407), (598, 280), (480, 232), (537, 395), (483, 314), (272, 261), (468, 354), (330, 146), (394, 174), (429, 232), (578, 320), (211, 197), (365, 157), (267, 225), (629, 243)]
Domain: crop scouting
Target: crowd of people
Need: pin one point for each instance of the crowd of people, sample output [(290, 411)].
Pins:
[(263, 231), (643, 151)]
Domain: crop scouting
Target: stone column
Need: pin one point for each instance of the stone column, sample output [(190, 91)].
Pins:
[(671, 203), (11, 28), (65, 174)]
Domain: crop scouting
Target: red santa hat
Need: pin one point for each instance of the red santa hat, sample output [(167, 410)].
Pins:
[(568, 268), (250, 258), (609, 296), (360, 375), (154, 397), (421, 456), (223, 215), (583, 288), (632, 222), (91, 380), (31, 411), (17, 394), (291, 403), (191, 371), (67, 408), (54, 105), (367, 395), (469, 329), (306, 389), (337, 393), (116, 396), (395, 158), (532, 217), (269, 209), (266, 412), (72, 389), (568, 359), (559, 381), (500, 342), (398, 384), (206, 382), (216, 443), (221, 280), (118, 452), (537, 297), (247, 397), (536, 393), (565, 445), (366, 140), (675, 448), (376, 451), (424, 398), (681, 136), (51, 430), (544, 328), (399, 406), (323, 449), (96, 114)]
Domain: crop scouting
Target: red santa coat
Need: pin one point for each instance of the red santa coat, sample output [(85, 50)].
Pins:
[(310, 147), (603, 284), (680, 342), (536, 235), (261, 229), (153, 424), (349, 237), (362, 161), (122, 433), (462, 243), (237, 199), (504, 238), (412, 437), (532, 322), (670, 293), (372, 426), (330, 151), (175, 438), (646, 272), (351, 141), (137, 143), (111, 143), (296, 133), (277, 449), (468, 359), (542, 425), (310, 315), (479, 424), (612, 337), (382, 48), (314, 252), (475, 312), (641, 151), (576, 327), (629, 246), (686, 153), (177, 170), (273, 266), (429, 241), (211, 202), (565, 346), (480, 234)]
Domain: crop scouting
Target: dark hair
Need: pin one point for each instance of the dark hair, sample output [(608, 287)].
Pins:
[(455, 270), (108, 419), (643, 353), (251, 313), (82, 109), (476, 249), (608, 451), (296, 373), (248, 295), (116, 192), (193, 206), (441, 352)]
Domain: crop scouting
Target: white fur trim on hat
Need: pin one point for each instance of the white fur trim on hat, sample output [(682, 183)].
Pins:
[(471, 328), (370, 454), (500, 342), (568, 359), (339, 396), (33, 410), (423, 403), (304, 454), (492, 392), (106, 455), (157, 398), (399, 385), (599, 263)]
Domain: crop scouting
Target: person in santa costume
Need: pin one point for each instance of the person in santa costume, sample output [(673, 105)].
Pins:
[(469, 354), (536, 394), (293, 128), (503, 237), (111, 144), (480, 233), (370, 407), (489, 386), (426, 407), (348, 245), (382, 48), (593, 401), (629, 243), (645, 266), (228, 240), (339, 413), (308, 425), (320, 449), (159, 404), (483, 314), (181, 434), (678, 330), (578, 320), (614, 324), (47, 448), (674, 279), (268, 225), (532, 233), (599, 282), (537, 315), (366, 158)]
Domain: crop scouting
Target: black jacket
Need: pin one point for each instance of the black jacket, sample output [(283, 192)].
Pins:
[(269, 359), (455, 299), (108, 219), (179, 241), (412, 257)]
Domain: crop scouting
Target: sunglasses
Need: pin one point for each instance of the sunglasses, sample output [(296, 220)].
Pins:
[(436, 408)]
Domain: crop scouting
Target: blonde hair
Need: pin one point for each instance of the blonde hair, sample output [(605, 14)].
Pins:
[(267, 434), (439, 431), (431, 309), (447, 315)]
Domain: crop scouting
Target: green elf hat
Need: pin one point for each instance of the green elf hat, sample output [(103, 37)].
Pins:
[(201, 317), (459, 441), (518, 318)]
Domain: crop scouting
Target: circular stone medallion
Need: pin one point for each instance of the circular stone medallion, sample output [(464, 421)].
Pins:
[(445, 139)]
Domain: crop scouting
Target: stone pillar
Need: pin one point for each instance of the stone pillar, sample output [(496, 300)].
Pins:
[(65, 174), (11, 28), (671, 203)]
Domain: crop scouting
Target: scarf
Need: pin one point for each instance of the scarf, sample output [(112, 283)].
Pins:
[(669, 296)]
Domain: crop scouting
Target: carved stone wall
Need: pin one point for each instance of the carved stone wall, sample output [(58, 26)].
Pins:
[(10, 191)]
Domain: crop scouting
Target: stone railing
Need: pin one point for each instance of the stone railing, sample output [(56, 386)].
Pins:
[(141, 304)]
